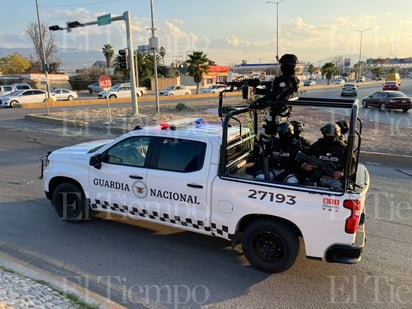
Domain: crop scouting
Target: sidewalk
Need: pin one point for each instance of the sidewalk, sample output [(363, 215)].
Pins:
[(24, 286)]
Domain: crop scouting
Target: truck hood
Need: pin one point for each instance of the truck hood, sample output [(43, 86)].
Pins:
[(82, 148)]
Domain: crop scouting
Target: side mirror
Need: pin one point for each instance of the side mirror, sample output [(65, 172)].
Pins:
[(96, 161)]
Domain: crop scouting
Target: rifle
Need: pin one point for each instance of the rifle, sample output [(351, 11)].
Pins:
[(327, 168)]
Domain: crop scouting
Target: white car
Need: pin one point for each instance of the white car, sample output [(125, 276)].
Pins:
[(120, 91), (339, 81), (175, 90), (94, 88), (25, 96), (349, 89), (214, 89), (6, 89), (63, 94)]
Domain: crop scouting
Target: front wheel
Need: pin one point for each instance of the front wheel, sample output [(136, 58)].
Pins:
[(112, 96), (70, 98), (270, 246), (69, 202), (13, 103), (405, 110), (382, 107), (364, 104)]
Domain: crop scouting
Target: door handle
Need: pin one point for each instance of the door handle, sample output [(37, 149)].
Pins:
[(195, 186), (135, 177)]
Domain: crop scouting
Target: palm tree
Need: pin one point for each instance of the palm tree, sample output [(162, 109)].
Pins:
[(198, 64), (108, 53), (329, 70)]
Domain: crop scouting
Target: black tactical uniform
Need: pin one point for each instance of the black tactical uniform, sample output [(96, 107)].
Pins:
[(330, 150)]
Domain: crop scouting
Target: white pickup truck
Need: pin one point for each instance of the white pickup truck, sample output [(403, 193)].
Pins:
[(195, 176)]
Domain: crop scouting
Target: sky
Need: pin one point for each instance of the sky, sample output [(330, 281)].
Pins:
[(227, 31)]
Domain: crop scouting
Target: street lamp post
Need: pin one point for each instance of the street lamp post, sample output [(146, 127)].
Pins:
[(277, 26), (360, 49)]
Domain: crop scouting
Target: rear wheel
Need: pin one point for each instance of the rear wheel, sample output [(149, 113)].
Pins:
[(270, 246), (112, 96), (405, 110), (69, 202)]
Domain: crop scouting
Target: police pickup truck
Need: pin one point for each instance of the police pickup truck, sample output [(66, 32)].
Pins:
[(199, 177)]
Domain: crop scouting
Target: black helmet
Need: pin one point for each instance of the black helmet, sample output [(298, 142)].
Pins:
[(289, 59), (343, 125), (331, 129), (286, 129)]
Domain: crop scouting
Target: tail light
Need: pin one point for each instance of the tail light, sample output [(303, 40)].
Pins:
[(352, 222)]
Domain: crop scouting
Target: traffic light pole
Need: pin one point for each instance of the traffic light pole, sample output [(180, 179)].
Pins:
[(133, 74)]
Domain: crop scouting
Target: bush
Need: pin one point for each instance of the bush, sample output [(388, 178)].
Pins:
[(180, 106)]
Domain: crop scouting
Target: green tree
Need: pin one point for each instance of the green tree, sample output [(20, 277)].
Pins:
[(376, 71), (198, 64), (329, 70), (50, 49), (108, 53), (392, 70), (14, 64), (311, 69), (162, 53)]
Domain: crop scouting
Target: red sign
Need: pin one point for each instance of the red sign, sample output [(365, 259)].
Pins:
[(105, 83)]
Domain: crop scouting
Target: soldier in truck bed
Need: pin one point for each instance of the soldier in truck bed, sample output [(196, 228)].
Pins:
[(332, 151)]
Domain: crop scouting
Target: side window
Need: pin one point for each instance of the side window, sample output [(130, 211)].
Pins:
[(131, 151), (180, 155)]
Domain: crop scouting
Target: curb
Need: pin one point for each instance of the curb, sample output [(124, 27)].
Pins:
[(24, 269)]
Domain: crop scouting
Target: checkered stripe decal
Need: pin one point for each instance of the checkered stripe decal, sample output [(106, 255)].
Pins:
[(221, 231)]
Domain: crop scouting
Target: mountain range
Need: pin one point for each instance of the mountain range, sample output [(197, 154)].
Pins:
[(71, 59)]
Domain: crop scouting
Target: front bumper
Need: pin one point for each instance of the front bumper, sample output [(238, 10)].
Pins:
[(349, 254)]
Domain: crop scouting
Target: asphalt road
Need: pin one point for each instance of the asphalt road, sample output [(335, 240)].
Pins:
[(146, 265)]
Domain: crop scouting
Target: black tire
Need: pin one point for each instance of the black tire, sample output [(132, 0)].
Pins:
[(13, 103), (70, 98), (70, 203), (270, 246), (405, 110), (187, 93), (112, 96)]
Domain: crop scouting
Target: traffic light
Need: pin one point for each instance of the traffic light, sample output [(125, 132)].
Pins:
[(123, 61)]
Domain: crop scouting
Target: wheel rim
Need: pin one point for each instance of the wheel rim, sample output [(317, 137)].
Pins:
[(269, 247)]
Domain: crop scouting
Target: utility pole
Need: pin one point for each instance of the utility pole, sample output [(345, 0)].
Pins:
[(154, 45), (43, 57), (277, 26)]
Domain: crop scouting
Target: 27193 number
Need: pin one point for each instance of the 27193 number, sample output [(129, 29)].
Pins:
[(272, 197)]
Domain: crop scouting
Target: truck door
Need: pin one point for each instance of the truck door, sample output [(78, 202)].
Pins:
[(177, 183), (117, 186)]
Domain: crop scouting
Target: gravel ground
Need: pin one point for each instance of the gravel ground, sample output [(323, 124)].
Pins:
[(376, 137)]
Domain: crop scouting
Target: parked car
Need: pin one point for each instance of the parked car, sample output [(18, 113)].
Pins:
[(25, 96), (63, 94), (388, 100), (309, 82), (214, 88), (392, 85), (361, 79), (175, 90), (6, 89), (21, 86), (94, 88), (349, 89), (339, 81)]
